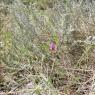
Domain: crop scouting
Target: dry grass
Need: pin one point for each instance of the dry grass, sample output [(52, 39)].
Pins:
[(28, 65)]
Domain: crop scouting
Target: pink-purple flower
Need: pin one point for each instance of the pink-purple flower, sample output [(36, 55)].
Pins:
[(53, 47)]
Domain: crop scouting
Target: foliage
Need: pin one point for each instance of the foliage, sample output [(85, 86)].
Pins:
[(27, 64)]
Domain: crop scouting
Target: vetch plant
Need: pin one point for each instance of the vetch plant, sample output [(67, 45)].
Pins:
[(53, 47)]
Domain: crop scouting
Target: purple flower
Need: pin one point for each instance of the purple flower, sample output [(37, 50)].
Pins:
[(53, 46)]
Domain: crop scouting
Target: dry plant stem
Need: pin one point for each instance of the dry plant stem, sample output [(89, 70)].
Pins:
[(52, 66), (53, 63), (83, 55), (79, 89)]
